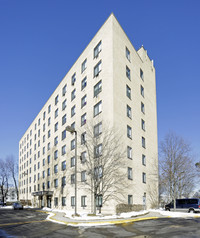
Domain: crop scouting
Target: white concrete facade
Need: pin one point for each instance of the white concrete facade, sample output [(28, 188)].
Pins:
[(117, 59)]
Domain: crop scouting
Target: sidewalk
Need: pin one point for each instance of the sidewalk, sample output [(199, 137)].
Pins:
[(59, 217)]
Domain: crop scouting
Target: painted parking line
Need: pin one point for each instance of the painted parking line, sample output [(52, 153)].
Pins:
[(20, 223)]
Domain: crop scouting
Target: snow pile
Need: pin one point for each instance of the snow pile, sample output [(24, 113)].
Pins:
[(176, 214), (85, 216), (6, 207)]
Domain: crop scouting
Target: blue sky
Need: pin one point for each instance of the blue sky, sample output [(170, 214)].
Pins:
[(40, 41)]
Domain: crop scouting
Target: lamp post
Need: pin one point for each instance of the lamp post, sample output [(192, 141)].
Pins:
[(26, 173), (72, 131)]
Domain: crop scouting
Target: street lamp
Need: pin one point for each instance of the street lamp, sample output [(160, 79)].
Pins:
[(26, 173), (72, 131)]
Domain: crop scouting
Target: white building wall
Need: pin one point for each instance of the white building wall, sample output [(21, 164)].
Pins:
[(114, 100)]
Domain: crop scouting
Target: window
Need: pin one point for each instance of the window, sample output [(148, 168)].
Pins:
[(97, 88), (73, 201), (63, 201), (97, 50), (83, 138), (83, 83), (64, 90), (48, 146), (55, 183), (48, 159), (38, 133), (44, 127), (56, 127), (43, 138), (64, 104), (73, 78), (64, 165), (48, 184), (144, 177), (130, 176), (83, 101), (98, 129), (38, 176), (56, 140), (128, 111), (43, 150), (56, 112), (83, 157), (73, 179), (55, 169), (99, 200), (43, 174), (55, 154), (128, 54), (73, 125), (83, 66), (83, 176), (97, 69), (143, 160), (129, 152), (56, 100), (63, 181), (49, 133), (83, 119), (129, 132), (98, 150), (63, 134), (98, 172), (130, 199), (83, 201), (44, 115), (55, 201), (97, 108), (143, 142), (142, 90), (73, 144), (49, 121), (142, 107), (63, 149), (128, 92), (128, 73), (38, 165), (49, 108), (143, 124), (73, 161), (48, 172), (73, 111), (141, 74), (64, 119)]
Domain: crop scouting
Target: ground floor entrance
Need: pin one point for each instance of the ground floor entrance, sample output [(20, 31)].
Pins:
[(42, 199)]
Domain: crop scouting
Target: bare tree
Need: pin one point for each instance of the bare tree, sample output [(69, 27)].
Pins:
[(177, 170), (103, 164), (3, 180), (12, 168)]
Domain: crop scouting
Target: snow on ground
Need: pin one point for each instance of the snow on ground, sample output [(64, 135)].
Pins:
[(6, 207), (85, 216), (175, 214)]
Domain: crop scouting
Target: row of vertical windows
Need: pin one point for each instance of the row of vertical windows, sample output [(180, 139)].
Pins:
[(97, 69), (63, 201), (128, 70)]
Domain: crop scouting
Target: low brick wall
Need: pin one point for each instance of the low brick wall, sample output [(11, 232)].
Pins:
[(128, 208)]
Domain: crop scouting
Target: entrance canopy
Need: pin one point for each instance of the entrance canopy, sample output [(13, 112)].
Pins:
[(41, 193)]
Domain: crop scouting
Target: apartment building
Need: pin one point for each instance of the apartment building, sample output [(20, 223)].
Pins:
[(110, 82)]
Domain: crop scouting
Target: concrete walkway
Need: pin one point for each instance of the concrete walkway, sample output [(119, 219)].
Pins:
[(60, 217)]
